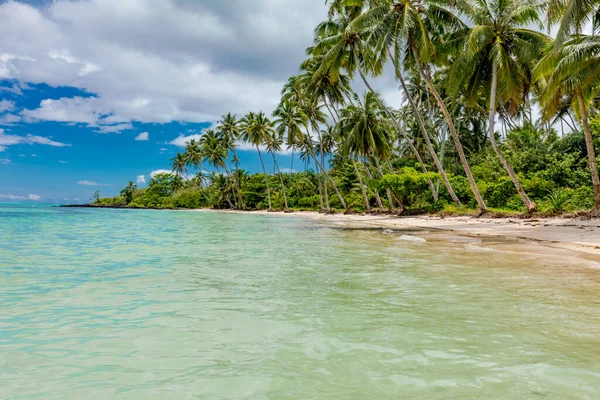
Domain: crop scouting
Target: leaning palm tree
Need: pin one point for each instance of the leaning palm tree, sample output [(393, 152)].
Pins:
[(415, 47), (229, 130), (367, 133), (573, 77), (178, 165), (216, 153), (390, 28), (496, 53), (338, 46), (273, 144), (256, 127)]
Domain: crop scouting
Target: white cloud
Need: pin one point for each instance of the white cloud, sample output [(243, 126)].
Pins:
[(6, 105), (142, 137), (140, 179), (9, 119), (9, 140), (114, 128), (156, 60), (182, 141), (159, 172), (288, 171), (62, 162), (4, 161), (33, 197), (91, 183), (2, 148), (13, 197)]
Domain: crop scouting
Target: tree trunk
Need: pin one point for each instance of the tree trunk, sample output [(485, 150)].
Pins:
[(266, 177), (454, 133), (377, 197), (430, 148), (362, 186), (530, 205), (325, 181), (396, 124), (281, 179), (320, 185), (237, 184), (387, 191), (337, 191), (589, 144)]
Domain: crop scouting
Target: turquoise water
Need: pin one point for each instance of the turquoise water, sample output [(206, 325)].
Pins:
[(124, 304)]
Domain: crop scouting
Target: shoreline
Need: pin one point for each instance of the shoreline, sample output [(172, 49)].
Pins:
[(577, 235)]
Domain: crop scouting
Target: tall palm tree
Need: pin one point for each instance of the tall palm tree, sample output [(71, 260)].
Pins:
[(178, 165), (573, 77), (390, 26), (415, 46), (229, 130), (273, 143), (367, 133), (340, 47), (129, 191), (496, 52), (256, 127), (215, 152)]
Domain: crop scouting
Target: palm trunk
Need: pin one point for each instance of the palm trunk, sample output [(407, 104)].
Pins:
[(377, 197), (325, 181), (589, 144), (387, 191), (432, 153), (266, 177), (454, 133), (237, 184), (530, 205), (281, 179), (362, 186), (235, 207), (320, 185), (337, 191), (396, 124)]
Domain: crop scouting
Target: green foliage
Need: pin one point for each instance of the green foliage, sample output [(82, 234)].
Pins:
[(558, 199)]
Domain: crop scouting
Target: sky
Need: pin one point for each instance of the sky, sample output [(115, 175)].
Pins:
[(96, 93)]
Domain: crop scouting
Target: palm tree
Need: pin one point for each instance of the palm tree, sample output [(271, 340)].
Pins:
[(215, 152), (129, 191), (340, 47), (255, 129), (178, 165), (229, 130), (390, 27), (498, 46), (273, 144), (414, 45), (367, 133), (573, 77)]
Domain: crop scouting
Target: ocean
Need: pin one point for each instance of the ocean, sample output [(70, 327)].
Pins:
[(132, 304)]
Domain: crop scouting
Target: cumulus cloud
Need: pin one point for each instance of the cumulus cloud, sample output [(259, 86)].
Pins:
[(9, 140), (91, 183), (142, 137), (159, 172), (156, 60), (140, 179), (182, 140)]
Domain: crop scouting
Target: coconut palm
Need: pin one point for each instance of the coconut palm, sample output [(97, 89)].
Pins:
[(256, 127), (178, 165), (273, 143), (229, 129), (367, 132), (409, 31), (496, 52), (129, 191), (573, 77), (340, 47)]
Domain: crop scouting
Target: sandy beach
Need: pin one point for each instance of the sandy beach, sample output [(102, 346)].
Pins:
[(580, 236)]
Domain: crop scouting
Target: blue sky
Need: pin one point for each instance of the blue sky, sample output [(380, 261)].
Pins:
[(81, 79)]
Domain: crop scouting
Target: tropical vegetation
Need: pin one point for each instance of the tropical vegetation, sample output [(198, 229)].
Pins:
[(495, 114)]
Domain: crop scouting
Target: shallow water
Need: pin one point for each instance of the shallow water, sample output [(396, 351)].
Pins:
[(123, 304)]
